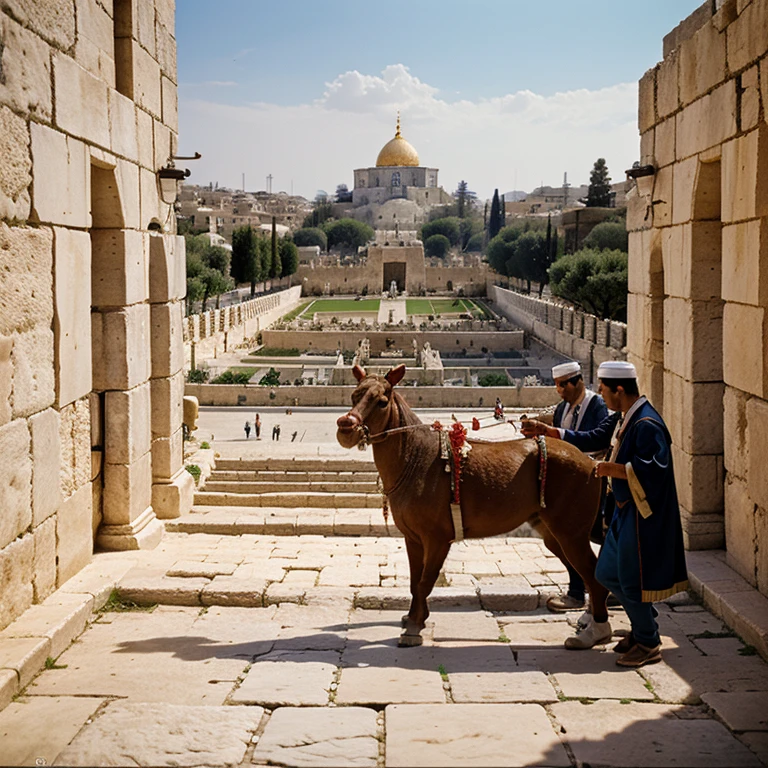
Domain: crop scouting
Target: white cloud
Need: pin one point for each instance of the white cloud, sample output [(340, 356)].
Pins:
[(523, 137)]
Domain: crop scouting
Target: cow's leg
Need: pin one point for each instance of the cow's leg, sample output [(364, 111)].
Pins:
[(415, 552), (435, 553)]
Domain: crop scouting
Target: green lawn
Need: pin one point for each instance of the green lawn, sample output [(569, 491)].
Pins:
[(296, 311), (341, 305), (439, 306)]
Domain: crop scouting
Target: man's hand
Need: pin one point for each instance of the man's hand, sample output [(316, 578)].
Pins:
[(610, 469), (533, 428)]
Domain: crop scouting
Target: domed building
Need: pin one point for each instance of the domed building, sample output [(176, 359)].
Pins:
[(397, 176)]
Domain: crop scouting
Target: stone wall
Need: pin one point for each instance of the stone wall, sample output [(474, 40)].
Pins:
[(582, 337), (207, 333), (368, 277), (698, 272), (90, 300), (329, 340), (421, 397)]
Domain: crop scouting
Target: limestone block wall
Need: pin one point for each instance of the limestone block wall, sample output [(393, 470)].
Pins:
[(698, 272), (329, 340), (90, 298), (215, 330), (421, 397), (355, 278), (582, 337)]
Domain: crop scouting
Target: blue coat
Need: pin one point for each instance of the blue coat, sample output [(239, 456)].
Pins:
[(646, 444), (595, 412)]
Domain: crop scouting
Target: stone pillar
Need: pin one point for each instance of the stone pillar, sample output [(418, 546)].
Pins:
[(172, 486), (120, 329)]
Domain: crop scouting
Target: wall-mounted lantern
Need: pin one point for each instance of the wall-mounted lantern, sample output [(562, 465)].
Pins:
[(170, 176), (643, 176)]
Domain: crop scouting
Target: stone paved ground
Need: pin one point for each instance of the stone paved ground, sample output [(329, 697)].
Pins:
[(280, 648)]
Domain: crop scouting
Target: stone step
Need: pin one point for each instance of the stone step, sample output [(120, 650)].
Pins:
[(289, 499), (229, 591), (288, 486), (351, 476), (307, 464), (282, 521)]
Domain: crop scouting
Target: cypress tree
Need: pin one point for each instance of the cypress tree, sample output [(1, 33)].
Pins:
[(274, 264), (599, 194), (494, 220)]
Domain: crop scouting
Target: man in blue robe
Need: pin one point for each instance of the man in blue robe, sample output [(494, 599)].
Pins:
[(642, 559), (580, 410)]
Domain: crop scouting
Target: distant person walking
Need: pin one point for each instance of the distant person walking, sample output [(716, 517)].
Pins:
[(247, 429), (276, 432), (257, 426)]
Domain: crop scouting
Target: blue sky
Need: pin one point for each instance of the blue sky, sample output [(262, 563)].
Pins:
[(494, 91)]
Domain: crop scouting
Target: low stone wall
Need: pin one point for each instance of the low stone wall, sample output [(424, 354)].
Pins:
[(417, 397), (575, 334), (220, 329), (331, 339)]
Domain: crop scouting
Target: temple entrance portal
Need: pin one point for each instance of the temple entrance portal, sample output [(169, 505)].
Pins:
[(394, 270)]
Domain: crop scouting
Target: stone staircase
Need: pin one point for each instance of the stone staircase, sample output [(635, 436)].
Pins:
[(303, 496), (310, 531)]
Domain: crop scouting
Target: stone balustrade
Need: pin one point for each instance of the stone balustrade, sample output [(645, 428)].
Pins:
[(583, 337)]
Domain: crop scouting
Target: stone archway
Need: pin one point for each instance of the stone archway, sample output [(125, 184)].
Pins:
[(394, 270)]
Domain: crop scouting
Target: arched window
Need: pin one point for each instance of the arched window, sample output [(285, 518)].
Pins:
[(396, 179)]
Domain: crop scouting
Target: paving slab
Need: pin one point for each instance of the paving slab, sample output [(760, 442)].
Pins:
[(34, 729), (586, 674), (147, 657), (341, 736), (387, 675), (742, 711), (471, 735), (757, 743), (464, 625), (651, 735), (125, 733), (288, 679), (703, 674)]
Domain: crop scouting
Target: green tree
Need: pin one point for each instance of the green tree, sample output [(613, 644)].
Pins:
[(437, 245), (475, 243), (532, 255), (465, 200), (349, 234), (494, 220), (322, 211), (218, 258), (608, 236), (289, 257), (214, 284), (595, 281), (270, 379), (448, 227), (274, 257), (246, 265), (343, 195), (599, 194), (309, 236), (501, 249)]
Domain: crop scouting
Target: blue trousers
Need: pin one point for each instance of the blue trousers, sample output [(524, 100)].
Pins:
[(618, 570)]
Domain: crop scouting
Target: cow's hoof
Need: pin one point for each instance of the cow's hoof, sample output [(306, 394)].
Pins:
[(409, 641)]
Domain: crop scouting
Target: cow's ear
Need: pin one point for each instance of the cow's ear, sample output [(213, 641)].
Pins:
[(394, 376), (358, 372)]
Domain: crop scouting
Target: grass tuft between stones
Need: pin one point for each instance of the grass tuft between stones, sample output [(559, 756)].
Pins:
[(117, 604)]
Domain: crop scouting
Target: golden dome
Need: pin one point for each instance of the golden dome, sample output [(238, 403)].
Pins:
[(397, 152)]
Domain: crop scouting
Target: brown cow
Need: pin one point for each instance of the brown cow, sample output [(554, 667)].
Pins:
[(499, 491)]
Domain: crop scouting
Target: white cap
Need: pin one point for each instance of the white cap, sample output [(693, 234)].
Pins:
[(616, 369), (566, 369)]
